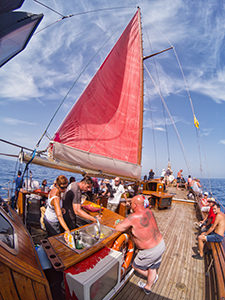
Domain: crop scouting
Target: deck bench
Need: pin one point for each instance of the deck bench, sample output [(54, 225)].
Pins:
[(218, 260), (218, 253)]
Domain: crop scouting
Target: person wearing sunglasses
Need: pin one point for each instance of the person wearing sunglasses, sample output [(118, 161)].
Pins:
[(53, 218)]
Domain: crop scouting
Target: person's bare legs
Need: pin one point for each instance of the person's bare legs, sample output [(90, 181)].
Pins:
[(142, 272), (150, 274), (201, 240), (150, 279)]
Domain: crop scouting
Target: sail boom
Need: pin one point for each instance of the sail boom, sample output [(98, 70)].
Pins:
[(100, 164), (64, 166)]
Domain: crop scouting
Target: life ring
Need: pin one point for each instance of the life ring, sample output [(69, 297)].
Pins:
[(125, 238)]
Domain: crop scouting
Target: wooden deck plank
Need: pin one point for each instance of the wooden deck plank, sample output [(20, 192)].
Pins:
[(180, 276)]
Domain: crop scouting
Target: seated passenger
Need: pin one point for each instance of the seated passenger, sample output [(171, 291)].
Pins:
[(206, 223), (204, 203), (214, 234)]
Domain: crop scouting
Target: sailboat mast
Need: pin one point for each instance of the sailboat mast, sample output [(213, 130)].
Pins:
[(142, 91)]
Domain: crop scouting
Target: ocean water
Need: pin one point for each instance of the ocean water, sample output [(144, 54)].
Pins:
[(9, 168)]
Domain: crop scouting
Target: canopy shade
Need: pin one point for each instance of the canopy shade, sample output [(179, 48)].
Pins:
[(9, 5), (16, 29)]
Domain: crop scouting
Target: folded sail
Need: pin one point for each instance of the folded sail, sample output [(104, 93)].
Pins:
[(103, 130)]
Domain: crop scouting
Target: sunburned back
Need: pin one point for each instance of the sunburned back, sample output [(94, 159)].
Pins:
[(145, 230)]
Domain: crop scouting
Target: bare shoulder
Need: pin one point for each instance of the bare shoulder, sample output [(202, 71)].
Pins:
[(220, 216), (54, 192), (134, 216)]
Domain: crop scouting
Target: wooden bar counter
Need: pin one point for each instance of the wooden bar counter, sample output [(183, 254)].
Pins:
[(66, 257)]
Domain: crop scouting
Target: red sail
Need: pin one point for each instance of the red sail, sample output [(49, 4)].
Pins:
[(104, 128)]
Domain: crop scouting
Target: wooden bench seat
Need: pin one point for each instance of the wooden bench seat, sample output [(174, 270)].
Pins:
[(218, 256), (218, 252)]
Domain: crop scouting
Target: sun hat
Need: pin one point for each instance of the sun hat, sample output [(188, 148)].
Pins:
[(212, 200)]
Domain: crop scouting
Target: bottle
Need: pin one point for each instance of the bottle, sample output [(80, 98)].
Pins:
[(100, 210), (77, 240)]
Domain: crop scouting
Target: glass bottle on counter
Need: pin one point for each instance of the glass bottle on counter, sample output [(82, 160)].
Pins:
[(77, 240)]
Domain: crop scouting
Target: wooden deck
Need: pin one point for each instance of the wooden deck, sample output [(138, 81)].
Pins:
[(180, 276)]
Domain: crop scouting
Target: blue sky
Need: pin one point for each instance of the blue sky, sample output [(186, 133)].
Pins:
[(34, 82)]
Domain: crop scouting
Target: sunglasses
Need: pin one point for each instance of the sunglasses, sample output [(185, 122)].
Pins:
[(63, 187)]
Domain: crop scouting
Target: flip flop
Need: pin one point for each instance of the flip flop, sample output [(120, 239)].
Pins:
[(142, 285), (147, 292)]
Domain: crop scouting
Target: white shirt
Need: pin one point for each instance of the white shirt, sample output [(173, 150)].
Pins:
[(119, 191), (196, 188), (50, 213)]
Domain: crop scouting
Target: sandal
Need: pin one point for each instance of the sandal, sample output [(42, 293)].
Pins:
[(142, 285)]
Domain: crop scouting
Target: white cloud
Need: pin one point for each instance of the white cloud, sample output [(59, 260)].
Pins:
[(222, 142), (205, 131), (15, 122), (159, 129), (213, 87)]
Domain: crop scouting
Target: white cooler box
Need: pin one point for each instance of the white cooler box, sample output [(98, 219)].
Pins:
[(95, 278)]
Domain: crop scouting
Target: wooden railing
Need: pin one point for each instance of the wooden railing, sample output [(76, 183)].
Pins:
[(218, 262)]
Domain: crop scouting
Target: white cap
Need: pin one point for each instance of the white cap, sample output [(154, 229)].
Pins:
[(206, 193)]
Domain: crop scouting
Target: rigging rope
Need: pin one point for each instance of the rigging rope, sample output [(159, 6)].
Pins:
[(154, 141), (70, 89), (48, 7), (196, 123), (167, 136), (153, 127), (74, 15), (171, 118)]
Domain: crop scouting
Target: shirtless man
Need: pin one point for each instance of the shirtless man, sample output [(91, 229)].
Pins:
[(214, 234), (179, 176), (148, 240)]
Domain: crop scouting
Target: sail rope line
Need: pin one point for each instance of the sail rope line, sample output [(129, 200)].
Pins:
[(171, 118), (70, 89), (163, 108), (209, 181), (192, 108), (151, 116), (73, 15), (187, 91), (154, 139)]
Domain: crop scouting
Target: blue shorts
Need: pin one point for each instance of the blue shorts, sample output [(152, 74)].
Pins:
[(214, 237)]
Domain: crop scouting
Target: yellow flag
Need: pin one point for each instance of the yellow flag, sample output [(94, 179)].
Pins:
[(196, 122)]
